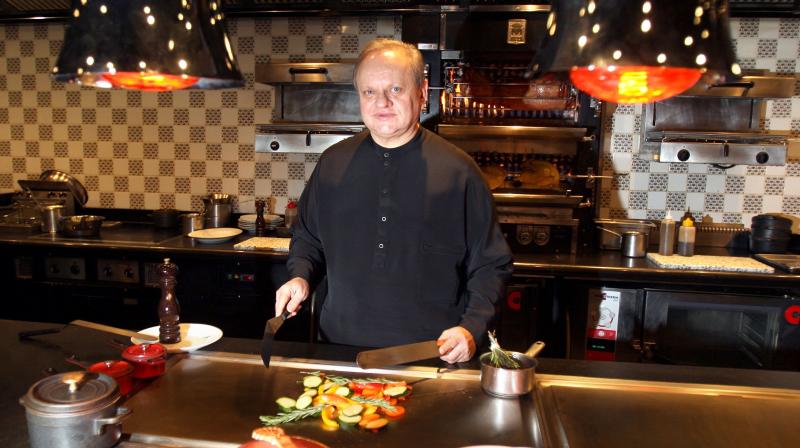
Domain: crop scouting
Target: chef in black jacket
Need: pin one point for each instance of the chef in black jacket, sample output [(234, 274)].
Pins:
[(401, 223)]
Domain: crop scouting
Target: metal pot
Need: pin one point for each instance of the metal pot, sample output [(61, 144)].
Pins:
[(633, 243), (510, 383), (149, 360), (74, 410), (191, 222), (165, 218), (80, 225)]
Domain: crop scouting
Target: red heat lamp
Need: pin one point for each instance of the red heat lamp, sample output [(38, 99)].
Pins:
[(148, 45), (624, 51), (634, 84)]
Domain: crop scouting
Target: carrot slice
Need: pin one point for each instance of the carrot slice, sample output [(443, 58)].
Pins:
[(376, 424)]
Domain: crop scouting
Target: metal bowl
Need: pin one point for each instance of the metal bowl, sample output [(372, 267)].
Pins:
[(77, 189), (80, 225)]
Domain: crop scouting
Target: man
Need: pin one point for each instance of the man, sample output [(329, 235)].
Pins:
[(400, 221)]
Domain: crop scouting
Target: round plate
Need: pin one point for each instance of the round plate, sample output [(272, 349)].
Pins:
[(212, 236), (193, 337)]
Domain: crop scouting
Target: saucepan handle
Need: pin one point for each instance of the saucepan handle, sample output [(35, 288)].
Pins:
[(535, 349), (609, 231), (99, 423)]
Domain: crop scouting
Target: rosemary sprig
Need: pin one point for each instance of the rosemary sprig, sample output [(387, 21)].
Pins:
[(499, 357), (292, 416), (380, 402)]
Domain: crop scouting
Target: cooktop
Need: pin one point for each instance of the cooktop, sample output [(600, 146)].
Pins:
[(118, 233), (787, 262)]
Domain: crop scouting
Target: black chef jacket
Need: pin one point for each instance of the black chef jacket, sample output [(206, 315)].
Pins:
[(408, 240)]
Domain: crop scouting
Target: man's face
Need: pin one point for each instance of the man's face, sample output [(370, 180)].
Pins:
[(390, 99)]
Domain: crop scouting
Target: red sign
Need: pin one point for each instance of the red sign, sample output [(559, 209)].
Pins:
[(514, 300)]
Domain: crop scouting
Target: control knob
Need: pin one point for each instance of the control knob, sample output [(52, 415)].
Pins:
[(762, 157), (683, 155), (274, 145), (75, 269), (128, 273)]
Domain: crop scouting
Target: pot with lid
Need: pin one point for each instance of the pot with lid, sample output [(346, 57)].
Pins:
[(74, 410)]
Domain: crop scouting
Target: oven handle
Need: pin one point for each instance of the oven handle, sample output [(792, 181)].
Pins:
[(307, 71)]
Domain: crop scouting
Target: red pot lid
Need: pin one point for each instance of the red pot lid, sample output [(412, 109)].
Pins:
[(144, 352), (115, 369)]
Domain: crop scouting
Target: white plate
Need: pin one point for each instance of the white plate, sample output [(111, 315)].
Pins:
[(218, 235), (193, 337)]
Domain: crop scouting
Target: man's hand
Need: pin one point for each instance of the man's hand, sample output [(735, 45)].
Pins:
[(291, 295), (456, 345)]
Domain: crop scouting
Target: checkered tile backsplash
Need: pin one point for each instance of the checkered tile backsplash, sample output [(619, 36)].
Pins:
[(642, 189), (149, 150)]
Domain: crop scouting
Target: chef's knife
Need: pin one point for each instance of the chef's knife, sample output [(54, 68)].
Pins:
[(398, 354), (114, 330), (269, 336)]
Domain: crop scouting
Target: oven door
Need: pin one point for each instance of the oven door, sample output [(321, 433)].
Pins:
[(724, 330)]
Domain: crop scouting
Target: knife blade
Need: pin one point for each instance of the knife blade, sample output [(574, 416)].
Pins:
[(114, 330), (398, 354), (272, 327)]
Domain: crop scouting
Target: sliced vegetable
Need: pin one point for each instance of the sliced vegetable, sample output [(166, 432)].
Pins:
[(349, 420), (312, 381), (310, 392), (395, 391), (336, 400), (398, 412), (368, 418), (303, 402), (376, 424), (353, 409), (286, 404), (329, 417), (342, 391)]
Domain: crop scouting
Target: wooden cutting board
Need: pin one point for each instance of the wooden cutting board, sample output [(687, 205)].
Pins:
[(709, 263), (264, 243)]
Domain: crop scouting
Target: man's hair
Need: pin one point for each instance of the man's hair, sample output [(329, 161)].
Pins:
[(413, 55)]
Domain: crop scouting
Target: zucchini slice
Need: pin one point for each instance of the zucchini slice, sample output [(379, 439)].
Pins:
[(311, 381), (303, 402), (395, 391), (349, 420), (353, 409), (285, 403)]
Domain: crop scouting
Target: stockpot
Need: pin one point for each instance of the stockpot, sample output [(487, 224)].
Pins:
[(509, 383), (633, 243), (74, 410)]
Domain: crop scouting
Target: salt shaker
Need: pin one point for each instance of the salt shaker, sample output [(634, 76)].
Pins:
[(169, 309), (291, 214)]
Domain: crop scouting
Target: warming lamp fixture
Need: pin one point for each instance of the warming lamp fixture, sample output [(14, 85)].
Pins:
[(639, 51), (155, 45)]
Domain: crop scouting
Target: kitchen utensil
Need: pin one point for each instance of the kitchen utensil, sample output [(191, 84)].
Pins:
[(148, 360), (218, 209), (215, 235), (786, 262), (510, 383), (76, 188), (611, 239), (398, 354), (193, 337), (165, 218), (114, 330), (191, 222), (80, 225), (51, 214), (74, 410), (121, 371), (633, 242), (272, 327)]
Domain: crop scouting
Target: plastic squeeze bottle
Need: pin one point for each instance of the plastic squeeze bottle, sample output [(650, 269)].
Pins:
[(666, 242), (686, 235), (291, 214)]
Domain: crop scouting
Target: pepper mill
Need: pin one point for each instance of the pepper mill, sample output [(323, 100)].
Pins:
[(261, 225), (169, 309)]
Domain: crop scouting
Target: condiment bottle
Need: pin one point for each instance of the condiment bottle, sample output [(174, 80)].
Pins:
[(169, 309), (261, 224), (666, 242), (686, 235), (291, 214)]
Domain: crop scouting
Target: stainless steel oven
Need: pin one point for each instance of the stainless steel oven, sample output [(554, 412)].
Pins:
[(690, 327)]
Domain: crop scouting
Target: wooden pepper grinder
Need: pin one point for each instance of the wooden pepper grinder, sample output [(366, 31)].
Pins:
[(261, 224), (169, 309)]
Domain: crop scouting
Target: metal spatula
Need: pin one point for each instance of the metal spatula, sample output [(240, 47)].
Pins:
[(272, 327)]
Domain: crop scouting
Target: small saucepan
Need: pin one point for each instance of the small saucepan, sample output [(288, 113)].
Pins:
[(510, 383), (149, 360)]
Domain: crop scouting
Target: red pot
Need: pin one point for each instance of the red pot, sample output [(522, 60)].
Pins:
[(121, 371), (149, 360)]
